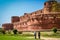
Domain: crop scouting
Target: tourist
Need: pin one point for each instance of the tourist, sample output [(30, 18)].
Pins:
[(35, 34), (39, 35)]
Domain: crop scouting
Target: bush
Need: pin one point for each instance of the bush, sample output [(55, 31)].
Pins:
[(3, 31), (54, 29), (15, 31), (9, 31), (20, 32), (0, 30)]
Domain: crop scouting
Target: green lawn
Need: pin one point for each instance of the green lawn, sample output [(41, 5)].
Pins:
[(28, 36), (51, 34), (15, 37)]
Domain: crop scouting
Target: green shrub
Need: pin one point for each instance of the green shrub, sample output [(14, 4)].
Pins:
[(20, 32), (3, 31), (15, 31), (54, 29), (9, 31)]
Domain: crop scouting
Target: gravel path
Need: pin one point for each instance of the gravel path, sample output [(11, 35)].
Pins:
[(50, 38), (44, 38)]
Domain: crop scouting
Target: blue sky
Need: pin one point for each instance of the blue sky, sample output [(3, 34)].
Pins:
[(9, 8)]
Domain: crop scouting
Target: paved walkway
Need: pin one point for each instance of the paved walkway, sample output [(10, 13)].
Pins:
[(45, 38)]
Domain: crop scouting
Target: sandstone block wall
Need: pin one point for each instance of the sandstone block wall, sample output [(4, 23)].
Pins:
[(7, 26), (14, 19), (35, 20)]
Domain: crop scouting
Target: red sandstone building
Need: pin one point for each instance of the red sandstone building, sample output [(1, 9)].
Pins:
[(35, 21)]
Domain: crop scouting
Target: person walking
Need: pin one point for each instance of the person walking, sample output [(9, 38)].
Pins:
[(39, 35), (35, 35)]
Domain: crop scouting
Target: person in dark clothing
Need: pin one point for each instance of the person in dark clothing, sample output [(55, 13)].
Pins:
[(35, 34), (39, 35)]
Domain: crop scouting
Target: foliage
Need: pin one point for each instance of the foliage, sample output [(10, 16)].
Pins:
[(20, 32), (15, 37), (51, 34), (0, 29), (9, 31), (3, 31), (54, 29), (15, 31)]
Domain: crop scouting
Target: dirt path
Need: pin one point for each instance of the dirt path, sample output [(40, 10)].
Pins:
[(45, 38)]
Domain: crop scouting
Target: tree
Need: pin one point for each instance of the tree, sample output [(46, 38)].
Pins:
[(3, 31), (54, 29), (15, 31), (0, 30)]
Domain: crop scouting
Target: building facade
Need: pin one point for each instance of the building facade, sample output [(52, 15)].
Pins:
[(7, 26), (38, 20)]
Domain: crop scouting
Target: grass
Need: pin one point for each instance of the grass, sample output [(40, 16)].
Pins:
[(26, 36), (51, 34), (14, 37)]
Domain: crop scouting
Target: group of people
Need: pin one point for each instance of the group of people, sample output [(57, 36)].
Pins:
[(35, 34)]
